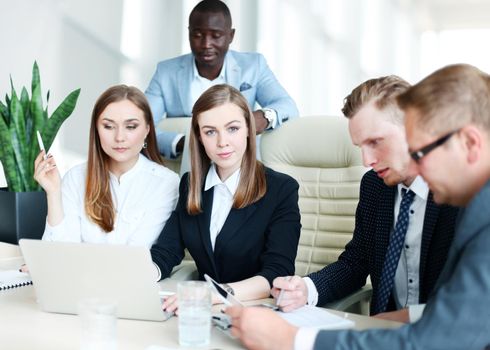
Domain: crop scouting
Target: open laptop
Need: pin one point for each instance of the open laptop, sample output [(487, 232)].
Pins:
[(65, 273)]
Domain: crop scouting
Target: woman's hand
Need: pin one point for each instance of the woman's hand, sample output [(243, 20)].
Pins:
[(171, 304), (46, 173)]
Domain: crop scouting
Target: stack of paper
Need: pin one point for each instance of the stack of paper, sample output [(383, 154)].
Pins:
[(315, 317)]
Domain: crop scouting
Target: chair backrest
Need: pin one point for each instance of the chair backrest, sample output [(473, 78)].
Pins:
[(182, 126), (318, 153)]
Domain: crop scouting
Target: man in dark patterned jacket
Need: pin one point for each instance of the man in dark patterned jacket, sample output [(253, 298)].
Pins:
[(402, 277)]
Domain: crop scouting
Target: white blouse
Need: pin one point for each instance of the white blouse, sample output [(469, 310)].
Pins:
[(222, 199), (144, 197)]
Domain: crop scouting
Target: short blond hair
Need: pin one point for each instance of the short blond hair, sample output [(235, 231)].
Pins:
[(450, 98), (383, 91)]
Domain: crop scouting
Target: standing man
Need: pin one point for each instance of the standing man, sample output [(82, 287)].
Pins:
[(402, 243), (178, 82), (448, 132)]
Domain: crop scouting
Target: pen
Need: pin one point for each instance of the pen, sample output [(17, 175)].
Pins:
[(281, 293), (41, 144)]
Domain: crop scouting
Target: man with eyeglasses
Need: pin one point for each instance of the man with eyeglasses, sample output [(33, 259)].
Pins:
[(401, 243), (447, 119)]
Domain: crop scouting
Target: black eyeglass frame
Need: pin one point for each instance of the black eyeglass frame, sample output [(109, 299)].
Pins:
[(422, 152)]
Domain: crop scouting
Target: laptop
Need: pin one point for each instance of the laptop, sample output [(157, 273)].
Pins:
[(64, 273)]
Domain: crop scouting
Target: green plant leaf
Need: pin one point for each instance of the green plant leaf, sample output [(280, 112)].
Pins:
[(63, 111), (8, 161), (18, 137), (4, 113)]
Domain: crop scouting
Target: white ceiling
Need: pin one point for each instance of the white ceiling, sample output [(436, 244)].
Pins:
[(452, 14)]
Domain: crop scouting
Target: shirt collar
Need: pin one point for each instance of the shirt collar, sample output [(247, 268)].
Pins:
[(221, 75), (418, 186), (130, 173), (212, 179)]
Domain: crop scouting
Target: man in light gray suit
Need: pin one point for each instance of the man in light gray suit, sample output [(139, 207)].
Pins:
[(447, 120), (178, 82)]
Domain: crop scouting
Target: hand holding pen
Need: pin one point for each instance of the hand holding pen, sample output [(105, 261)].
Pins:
[(290, 292), (45, 171)]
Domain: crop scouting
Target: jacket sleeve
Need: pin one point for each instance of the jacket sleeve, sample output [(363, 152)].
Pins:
[(350, 271), (457, 317), (282, 234), (271, 94), (169, 249)]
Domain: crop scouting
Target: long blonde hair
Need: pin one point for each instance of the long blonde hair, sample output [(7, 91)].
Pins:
[(98, 199), (252, 184)]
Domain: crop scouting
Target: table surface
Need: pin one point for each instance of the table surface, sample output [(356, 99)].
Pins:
[(25, 326)]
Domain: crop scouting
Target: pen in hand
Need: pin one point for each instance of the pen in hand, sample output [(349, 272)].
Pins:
[(281, 293)]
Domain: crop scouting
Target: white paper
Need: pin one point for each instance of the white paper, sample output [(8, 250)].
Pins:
[(315, 317)]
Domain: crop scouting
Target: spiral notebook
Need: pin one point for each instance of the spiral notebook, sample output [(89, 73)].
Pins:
[(13, 279)]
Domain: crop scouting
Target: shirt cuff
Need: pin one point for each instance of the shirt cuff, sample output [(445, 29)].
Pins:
[(305, 338), (312, 292), (158, 272), (174, 144), (415, 312), (273, 114)]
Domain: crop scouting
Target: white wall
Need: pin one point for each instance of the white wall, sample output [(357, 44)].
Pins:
[(318, 49)]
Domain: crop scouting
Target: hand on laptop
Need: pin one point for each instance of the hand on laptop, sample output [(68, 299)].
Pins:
[(171, 304), (24, 268), (290, 293)]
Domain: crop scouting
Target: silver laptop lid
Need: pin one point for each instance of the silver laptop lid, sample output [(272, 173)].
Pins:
[(65, 273)]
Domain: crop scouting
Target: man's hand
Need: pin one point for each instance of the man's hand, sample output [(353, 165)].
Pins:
[(260, 122), (401, 315), (294, 292), (261, 329)]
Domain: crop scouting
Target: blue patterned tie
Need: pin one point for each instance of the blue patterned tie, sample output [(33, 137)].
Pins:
[(393, 253)]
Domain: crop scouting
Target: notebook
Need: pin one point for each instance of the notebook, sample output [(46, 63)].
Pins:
[(64, 273), (13, 279)]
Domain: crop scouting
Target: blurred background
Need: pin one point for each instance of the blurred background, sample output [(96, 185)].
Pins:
[(318, 49)]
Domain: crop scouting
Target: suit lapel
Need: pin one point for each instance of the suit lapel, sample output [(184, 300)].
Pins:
[(233, 71), (430, 219), (236, 220), (204, 220), (185, 77)]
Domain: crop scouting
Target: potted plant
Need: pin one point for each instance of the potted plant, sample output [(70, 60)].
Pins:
[(22, 203)]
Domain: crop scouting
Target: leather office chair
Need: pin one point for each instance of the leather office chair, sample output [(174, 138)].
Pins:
[(318, 153), (179, 125)]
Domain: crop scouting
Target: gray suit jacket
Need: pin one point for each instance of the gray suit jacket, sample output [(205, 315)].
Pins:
[(457, 315)]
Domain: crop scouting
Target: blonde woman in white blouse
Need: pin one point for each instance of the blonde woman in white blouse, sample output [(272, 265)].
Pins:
[(123, 194)]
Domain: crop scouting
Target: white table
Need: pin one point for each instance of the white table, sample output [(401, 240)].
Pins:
[(25, 326)]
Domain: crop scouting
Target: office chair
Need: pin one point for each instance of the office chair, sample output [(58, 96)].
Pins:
[(318, 153)]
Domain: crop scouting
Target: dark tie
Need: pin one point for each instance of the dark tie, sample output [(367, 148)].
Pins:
[(393, 253)]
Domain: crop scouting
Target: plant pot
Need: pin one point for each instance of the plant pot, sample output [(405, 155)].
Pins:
[(22, 215)]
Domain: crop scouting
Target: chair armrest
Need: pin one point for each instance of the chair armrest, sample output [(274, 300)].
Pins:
[(185, 272), (357, 302)]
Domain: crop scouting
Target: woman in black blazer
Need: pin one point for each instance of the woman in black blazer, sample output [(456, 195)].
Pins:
[(239, 220)]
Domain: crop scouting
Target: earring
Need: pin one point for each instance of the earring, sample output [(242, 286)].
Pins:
[(145, 145)]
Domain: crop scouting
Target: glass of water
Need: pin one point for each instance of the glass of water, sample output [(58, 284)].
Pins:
[(98, 324), (194, 313)]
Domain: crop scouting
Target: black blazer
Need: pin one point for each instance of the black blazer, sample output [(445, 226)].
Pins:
[(260, 239), (365, 254)]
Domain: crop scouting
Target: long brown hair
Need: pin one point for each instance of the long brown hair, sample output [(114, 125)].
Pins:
[(252, 184), (98, 199)]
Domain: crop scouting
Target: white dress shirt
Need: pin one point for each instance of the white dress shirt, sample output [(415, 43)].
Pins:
[(222, 199), (144, 198), (200, 84), (406, 286)]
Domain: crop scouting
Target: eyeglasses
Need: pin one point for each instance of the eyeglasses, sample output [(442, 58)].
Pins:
[(421, 153)]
